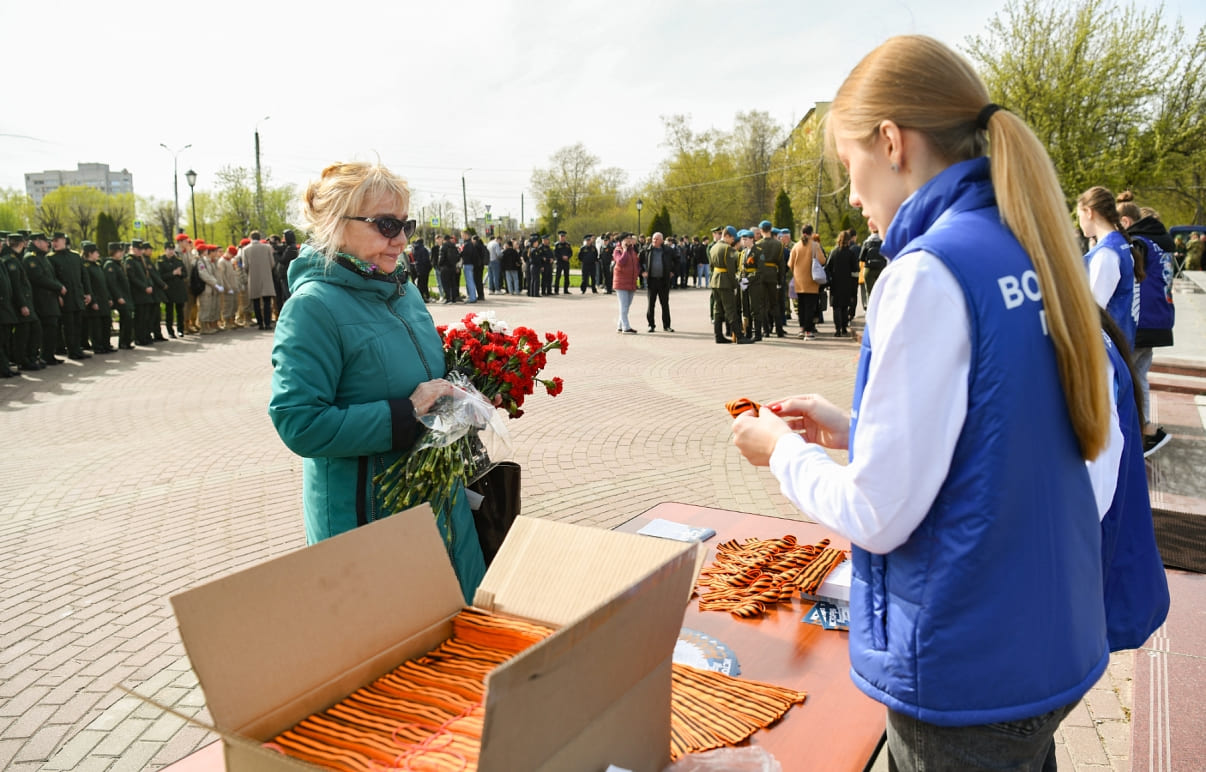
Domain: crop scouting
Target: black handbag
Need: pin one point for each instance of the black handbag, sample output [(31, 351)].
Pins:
[(499, 489)]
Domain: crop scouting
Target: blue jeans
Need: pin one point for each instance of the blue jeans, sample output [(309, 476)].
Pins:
[(1142, 359), (492, 273), (1025, 744), (625, 297), (701, 275), (512, 282), (470, 285)]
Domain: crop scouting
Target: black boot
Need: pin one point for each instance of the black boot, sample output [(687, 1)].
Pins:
[(718, 327)]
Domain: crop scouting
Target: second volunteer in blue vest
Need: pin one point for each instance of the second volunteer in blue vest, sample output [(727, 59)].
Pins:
[(980, 393), (1114, 273)]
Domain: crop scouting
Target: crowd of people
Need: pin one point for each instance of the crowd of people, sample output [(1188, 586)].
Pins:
[(759, 274), (55, 301)]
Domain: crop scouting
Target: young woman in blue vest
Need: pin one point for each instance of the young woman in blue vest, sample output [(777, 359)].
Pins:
[(1114, 273), (1136, 588), (1156, 312), (978, 399)]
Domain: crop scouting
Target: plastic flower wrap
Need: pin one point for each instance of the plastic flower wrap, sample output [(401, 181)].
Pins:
[(486, 360)]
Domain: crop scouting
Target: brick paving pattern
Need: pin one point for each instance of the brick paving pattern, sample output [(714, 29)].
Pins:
[(130, 478)]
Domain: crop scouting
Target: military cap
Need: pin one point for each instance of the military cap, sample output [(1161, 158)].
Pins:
[(718, 229), (562, 233), (85, 244), (765, 225), (135, 243), (58, 235), (15, 238), (114, 246), (731, 231), (3, 234), (38, 235), (169, 245), (745, 233), (24, 233)]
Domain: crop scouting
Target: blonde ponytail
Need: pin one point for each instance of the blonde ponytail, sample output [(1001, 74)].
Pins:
[(943, 102)]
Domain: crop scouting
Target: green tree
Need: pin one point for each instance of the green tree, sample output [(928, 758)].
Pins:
[(755, 138), (75, 207), (575, 185), (784, 217), (106, 231), (236, 202), (698, 182), (16, 210), (120, 208), (1116, 93), (661, 223)]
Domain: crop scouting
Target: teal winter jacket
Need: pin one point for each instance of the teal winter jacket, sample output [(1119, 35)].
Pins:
[(349, 350)]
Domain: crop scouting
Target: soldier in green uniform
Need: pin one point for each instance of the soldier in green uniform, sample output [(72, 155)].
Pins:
[(22, 299), (171, 269), (118, 285), (68, 268), (8, 317), (748, 273), (143, 292), (48, 293), (160, 293), (770, 263), (722, 259), (98, 316)]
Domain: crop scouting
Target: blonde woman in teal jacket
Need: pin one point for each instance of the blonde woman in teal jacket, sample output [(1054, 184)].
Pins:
[(356, 357)]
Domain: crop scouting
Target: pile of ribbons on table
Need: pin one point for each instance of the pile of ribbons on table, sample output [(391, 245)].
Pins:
[(427, 713)]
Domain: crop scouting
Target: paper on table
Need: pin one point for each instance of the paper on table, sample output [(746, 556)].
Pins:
[(668, 529)]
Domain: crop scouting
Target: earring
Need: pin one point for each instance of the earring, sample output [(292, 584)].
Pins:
[(894, 168)]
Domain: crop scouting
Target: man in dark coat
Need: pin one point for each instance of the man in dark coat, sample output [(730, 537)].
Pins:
[(171, 270), (143, 292), (118, 284), (450, 280), (588, 257), (47, 294), (22, 299), (98, 316), (68, 266), (421, 261)]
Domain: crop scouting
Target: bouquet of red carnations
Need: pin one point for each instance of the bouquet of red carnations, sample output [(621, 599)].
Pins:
[(487, 363)]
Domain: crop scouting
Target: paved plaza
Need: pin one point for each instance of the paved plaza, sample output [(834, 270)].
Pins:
[(129, 478)]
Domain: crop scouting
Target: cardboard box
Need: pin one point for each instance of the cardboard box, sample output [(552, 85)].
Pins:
[(288, 638)]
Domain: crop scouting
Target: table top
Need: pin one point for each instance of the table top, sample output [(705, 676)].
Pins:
[(837, 727)]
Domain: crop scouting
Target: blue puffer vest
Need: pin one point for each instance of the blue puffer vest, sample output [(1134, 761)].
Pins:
[(1136, 588), (1123, 306), (987, 613)]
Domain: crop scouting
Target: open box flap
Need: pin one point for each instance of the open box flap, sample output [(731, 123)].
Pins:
[(269, 642)]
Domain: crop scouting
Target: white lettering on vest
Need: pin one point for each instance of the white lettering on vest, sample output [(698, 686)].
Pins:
[(1016, 289)]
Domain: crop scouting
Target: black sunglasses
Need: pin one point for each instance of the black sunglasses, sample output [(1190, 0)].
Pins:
[(389, 227)]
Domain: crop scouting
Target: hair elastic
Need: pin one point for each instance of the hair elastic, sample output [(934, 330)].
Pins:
[(985, 114)]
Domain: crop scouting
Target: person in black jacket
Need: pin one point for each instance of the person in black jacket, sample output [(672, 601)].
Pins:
[(281, 273), (588, 256), (510, 265), (842, 268), (450, 281), (420, 258)]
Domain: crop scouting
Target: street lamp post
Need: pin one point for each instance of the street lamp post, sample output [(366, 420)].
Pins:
[(554, 220), (464, 200), (259, 181), (191, 177), (175, 184), (640, 204)]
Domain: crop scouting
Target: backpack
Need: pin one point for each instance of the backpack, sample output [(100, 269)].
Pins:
[(196, 285), (871, 255)]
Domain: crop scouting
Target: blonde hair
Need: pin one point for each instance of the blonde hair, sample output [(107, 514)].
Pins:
[(339, 192), (921, 84)]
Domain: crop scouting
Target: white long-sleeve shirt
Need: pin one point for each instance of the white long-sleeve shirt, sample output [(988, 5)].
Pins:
[(913, 408)]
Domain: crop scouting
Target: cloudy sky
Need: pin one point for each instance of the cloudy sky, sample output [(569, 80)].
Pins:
[(435, 89)]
